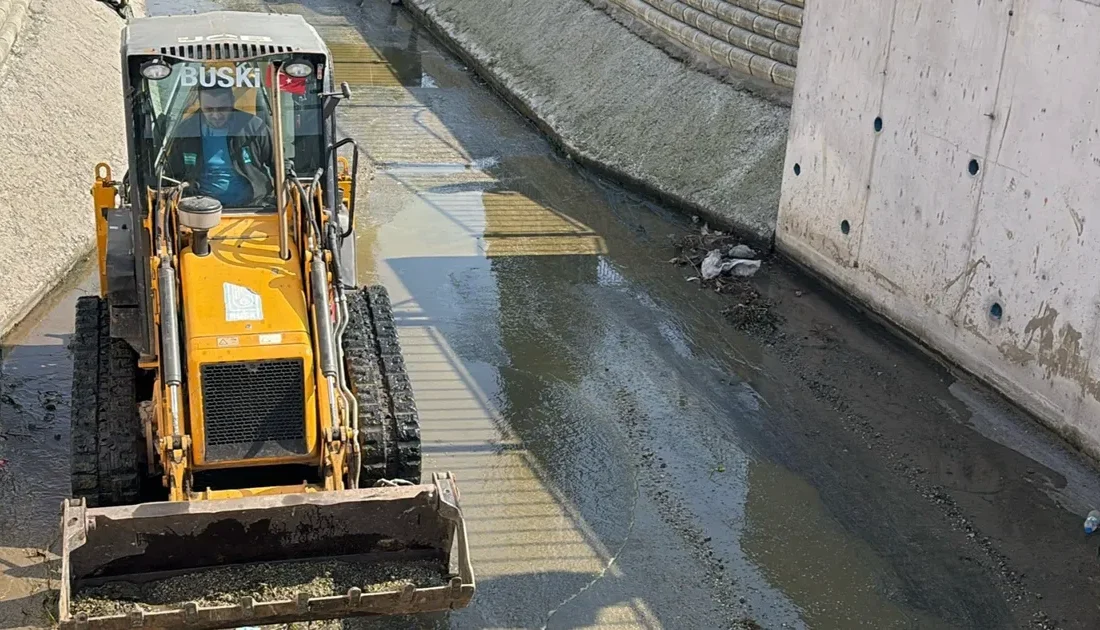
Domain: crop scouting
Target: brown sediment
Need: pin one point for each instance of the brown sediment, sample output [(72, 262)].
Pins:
[(263, 582)]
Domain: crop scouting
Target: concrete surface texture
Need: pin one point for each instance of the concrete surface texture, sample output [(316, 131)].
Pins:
[(760, 40), (13, 14), (60, 98), (617, 103), (942, 167)]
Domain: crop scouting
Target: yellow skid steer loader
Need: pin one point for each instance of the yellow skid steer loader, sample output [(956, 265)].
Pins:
[(241, 411)]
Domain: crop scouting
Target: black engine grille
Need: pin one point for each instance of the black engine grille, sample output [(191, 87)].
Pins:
[(254, 409)]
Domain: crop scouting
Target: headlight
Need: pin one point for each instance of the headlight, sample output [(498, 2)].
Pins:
[(155, 70), (298, 69)]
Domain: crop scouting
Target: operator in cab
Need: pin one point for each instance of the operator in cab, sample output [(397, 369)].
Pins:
[(224, 152)]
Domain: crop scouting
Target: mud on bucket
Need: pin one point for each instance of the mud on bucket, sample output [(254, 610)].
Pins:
[(232, 563)]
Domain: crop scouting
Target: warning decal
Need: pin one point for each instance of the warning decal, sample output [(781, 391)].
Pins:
[(242, 304)]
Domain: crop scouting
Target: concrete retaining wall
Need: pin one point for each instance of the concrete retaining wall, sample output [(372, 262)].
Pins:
[(621, 105), (60, 100), (943, 167), (756, 37)]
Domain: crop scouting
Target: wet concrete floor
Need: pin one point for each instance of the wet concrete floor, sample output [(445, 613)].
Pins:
[(627, 457)]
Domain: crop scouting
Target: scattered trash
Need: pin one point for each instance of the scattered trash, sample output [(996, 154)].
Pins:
[(1092, 522), (745, 268), (709, 254), (713, 266), (798, 294), (742, 251)]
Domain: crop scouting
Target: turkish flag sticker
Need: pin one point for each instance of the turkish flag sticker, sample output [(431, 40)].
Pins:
[(287, 83)]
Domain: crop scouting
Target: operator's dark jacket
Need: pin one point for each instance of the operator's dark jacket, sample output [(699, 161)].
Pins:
[(249, 140)]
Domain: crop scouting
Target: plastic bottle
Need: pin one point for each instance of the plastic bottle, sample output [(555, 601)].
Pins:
[(1092, 523)]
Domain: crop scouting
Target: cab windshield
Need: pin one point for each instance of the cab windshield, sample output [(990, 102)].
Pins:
[(210, 124)]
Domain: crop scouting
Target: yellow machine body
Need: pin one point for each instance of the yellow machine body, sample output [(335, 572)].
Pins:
[(256, 311)]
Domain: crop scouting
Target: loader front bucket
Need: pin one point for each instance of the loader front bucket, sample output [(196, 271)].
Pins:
[(260, 560)]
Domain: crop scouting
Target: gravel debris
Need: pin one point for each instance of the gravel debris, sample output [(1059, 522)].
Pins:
[(264, 582)]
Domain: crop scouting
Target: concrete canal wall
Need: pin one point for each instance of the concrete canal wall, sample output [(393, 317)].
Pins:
[(758, 38), (60, 100), (943, 168)]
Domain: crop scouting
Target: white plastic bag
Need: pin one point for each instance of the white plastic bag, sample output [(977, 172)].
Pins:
[(713, 266)]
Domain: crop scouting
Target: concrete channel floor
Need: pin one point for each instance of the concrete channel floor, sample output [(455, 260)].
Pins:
[(627, 458)]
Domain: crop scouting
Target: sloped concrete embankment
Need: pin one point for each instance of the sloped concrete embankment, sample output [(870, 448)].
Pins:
[(757, 38), (60, 100), (620, 105)]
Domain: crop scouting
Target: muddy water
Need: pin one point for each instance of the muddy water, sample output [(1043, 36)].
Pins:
[(35, 378), (626, 457)]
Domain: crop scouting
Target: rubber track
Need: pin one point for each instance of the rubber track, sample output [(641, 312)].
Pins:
[(107, 442), (85, 391), (121, 442), (365, 380), (404, 419)]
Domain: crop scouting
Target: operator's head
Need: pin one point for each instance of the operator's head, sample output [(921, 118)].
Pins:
[(217, 104)]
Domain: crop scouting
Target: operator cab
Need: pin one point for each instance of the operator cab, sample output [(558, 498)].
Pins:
[(209, 124), (201, 105)]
